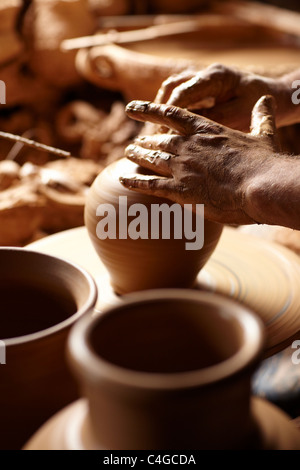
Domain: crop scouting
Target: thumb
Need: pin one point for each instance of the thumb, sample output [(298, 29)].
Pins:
[(263, 118)]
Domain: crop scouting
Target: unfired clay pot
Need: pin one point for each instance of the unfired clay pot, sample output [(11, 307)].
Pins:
[(167, 369), (256, 37), (40, 299), (139, 264)]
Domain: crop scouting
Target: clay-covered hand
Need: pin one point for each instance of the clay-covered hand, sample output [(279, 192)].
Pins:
[(204, 162), (229, 93)]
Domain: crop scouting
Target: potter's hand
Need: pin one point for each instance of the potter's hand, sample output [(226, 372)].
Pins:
[(229, 93), (207, 163)]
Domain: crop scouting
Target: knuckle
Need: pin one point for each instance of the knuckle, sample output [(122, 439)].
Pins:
[(172, 80), (151, 184), (207, 127), (218, 68), (171, 111), (224, 74), (168, 83), (181, 188)]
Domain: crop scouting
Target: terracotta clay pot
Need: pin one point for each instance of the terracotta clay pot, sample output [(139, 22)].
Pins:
[(40, 299), (167, 369), (143, 263)]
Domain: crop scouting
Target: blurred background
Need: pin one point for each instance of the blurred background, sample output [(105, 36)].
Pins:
[(71, 96)]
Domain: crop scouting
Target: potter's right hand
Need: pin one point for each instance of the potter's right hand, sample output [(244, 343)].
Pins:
[(205, 162), (229, 93)]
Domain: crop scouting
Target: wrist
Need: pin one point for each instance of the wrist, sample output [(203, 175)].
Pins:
[(288, 97), (272, 196), (254, 194)]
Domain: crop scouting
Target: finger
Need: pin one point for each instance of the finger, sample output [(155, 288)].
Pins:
[(155, 160), (165, 142), (180, 120), (170, 83), (263, 117), (152, 185), (216, 81)]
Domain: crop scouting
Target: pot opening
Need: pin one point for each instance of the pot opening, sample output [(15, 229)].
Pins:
[(167, 336), (38, 293), (27, 309)]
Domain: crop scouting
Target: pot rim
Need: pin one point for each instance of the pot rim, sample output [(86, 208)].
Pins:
[(92, 368), (87, 306)]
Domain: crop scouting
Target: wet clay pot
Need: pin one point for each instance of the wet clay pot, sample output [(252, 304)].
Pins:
[(169, 260), (41, 297), (167, 369)]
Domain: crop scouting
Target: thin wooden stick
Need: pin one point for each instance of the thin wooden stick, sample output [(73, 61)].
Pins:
[(139, 21), (268, 16), (137, 35), (34, 144)]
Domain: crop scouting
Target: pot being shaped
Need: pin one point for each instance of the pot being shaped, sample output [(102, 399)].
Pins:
[(146, 242)]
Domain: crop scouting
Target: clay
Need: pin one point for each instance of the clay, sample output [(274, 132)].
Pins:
[(187, 387), (283, 235), (10, 44), (61, 211), (15, 122), (272, 291), (75, 118), (81, 172), (137, 264), (259, 50), (35, 381), (9, 173), (262, 275), (101, 136), (61, 186), (177, 6), (289, 238), (20, 214), (106, 141), (46, 24), (110, 7), (23, 88), (46, 198)]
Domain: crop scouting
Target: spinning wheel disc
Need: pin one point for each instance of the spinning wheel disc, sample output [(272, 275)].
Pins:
[(262, 275)]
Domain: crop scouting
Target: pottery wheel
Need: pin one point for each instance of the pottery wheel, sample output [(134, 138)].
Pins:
[(275, 431), (261, 275)]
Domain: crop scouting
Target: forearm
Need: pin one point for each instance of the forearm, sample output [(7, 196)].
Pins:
[(288, 99), (273, 196)]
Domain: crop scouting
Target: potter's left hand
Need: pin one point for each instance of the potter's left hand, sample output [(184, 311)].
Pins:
[(227, 95), (204, 162)]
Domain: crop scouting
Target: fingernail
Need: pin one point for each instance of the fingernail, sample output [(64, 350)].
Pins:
[(140, 106), (130, 151), (123, 180), (130, 147), (128, 182)]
